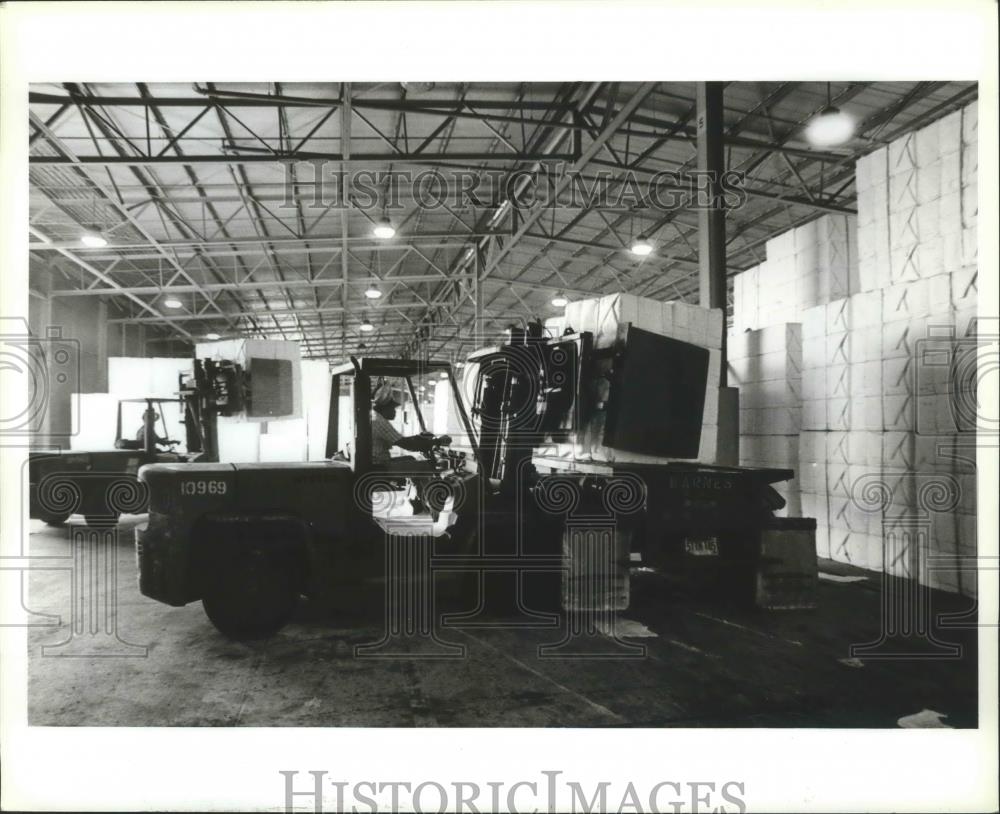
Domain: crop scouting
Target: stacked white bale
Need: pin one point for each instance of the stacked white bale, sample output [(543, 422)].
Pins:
[(608, 318), (917, 211), (766, 367), (842, 421), (810, 475), (746, 290), (918, 203), (812, 264), (872, 183), (883, 362), (931, 303), (777, 281)]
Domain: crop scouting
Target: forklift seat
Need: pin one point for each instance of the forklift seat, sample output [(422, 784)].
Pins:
[(126, 443)]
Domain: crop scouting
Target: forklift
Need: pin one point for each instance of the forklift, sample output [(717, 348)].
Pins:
[(102, 485), (250, 539)]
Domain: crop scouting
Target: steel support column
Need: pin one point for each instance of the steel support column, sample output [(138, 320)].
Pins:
[(712, 219)]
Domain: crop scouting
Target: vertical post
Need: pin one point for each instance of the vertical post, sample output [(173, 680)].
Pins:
[(711, 214), (345, 202), (712, 254)]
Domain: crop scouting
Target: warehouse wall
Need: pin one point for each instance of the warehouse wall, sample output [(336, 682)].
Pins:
[(135, 340), (871, 393)]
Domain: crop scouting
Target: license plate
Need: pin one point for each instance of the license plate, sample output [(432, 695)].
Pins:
[(702, 547)]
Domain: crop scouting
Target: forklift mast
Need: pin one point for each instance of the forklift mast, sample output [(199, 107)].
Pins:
[(215, 388), (525, 394)]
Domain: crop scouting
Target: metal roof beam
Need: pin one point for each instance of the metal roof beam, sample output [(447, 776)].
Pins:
[(104, 278)]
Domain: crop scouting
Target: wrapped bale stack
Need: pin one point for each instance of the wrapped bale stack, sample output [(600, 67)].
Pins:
[(918, 205), (766, 366), (608, 319), (806, 267), (842, 420), (810, 265), (888, 368)]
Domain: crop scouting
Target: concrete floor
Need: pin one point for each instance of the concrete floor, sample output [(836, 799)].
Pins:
[(705, 665)]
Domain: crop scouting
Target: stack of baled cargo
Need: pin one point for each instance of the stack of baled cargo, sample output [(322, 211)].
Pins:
[(842, 418), (887, 367), (812, 264), (608, 318), (808, 266), (766, 366)]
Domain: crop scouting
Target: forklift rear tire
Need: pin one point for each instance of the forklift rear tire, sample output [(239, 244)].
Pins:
[(252, 593)]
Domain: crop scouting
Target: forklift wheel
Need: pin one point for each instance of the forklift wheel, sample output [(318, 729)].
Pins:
[(252, 593), (54, 519)]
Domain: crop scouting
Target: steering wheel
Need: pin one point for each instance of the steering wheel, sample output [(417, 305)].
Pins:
[(432, 453), (436, 453)]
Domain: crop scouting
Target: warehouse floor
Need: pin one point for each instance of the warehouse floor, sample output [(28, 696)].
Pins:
[(705, 665)]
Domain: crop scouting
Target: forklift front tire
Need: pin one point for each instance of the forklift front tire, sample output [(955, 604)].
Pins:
[(252, 594), (54, 519)]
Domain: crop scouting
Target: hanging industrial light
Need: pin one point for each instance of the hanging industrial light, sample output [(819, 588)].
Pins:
[(384, 229), (172, 302), (560, 300), (443, 374), (366, 326), (641, 246), (372, 293), (831, 126), (93, 239), (211, 337), (362, 346)]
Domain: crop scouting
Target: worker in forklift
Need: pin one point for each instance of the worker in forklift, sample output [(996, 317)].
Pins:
[(385, 436), (149, 420)]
